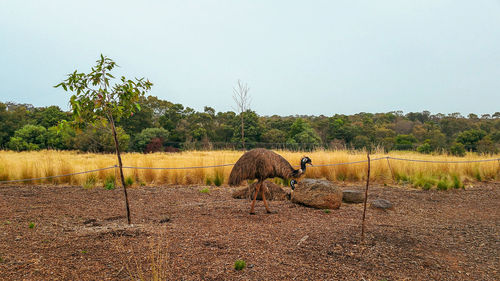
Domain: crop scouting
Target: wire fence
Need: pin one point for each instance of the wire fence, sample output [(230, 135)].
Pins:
[(226, 165)]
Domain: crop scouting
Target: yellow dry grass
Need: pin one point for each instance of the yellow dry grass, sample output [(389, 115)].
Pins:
[(23, 165)]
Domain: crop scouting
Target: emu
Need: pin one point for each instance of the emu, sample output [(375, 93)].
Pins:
[(262, 164)]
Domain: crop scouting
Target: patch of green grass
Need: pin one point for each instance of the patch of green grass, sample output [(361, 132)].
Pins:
[(31, 225), (83, 251), (402, 178), (326, 211), (443, 184), (240, 264), (109, 182), (477, 175), (205, 190), (457, 183), (208, 181), (90, 182), (129, 181), (341, 176), (424, 182), (219, 178)]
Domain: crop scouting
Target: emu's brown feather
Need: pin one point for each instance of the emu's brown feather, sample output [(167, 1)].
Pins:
[(261, 164)]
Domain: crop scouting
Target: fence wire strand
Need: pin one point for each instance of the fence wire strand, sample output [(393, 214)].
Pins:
[(59, 176), (225, 165)]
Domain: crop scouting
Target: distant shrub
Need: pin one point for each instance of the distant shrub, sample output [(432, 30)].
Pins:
[(457, 149), (425, 148), (240, 264)]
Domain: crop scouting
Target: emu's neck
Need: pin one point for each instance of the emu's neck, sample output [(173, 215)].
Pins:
[(297, 173), (303, 166)]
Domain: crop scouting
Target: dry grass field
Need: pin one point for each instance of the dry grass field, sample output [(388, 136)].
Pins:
[(23, 165)]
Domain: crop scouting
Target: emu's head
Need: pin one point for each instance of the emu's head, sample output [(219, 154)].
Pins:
[(305, 160)]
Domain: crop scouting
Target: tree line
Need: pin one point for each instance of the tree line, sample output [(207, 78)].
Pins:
[(161, 125)]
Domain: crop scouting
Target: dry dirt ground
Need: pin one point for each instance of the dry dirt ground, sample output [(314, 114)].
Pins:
[(82, 234)]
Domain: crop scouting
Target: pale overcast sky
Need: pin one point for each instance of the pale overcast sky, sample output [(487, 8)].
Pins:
[(298, 57)]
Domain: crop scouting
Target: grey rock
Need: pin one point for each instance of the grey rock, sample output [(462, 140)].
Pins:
[(353, 196), (381, 204), (320, 194)]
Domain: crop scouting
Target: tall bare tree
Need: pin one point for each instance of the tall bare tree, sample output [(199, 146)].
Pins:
[(242, 100)]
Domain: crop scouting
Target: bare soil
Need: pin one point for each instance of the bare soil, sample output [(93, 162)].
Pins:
[(80, 234)]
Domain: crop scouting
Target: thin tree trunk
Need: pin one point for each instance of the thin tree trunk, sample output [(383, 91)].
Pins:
[(366, 198), (121, 167), (242, 132)]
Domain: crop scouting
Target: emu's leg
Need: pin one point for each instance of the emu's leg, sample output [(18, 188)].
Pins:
[(264, 198), (257, 189)]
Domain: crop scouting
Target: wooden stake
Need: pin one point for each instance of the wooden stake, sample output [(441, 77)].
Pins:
[(390, 168), (366, 198)]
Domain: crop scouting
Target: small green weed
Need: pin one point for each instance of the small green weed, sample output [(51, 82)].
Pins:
[(83, 251), (205, 190), (7, 222), (326, 211), (31, 225), (109, 183), (240, 264)]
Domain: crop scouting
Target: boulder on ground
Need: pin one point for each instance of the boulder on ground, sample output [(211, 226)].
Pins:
[(320, 194), (353, 196), (381, 204), (273, 192)]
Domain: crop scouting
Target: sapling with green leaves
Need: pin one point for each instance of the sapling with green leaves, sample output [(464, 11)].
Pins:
[(98, 97)]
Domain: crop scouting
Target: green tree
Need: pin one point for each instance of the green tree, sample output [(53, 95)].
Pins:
[(274, 136), (29, 137), (96, 100), (12, 118), (470, 138), (142, 140), (457, 149), (486, 146), (97, 138), (48, 116), (252, 129), (61, 138), (302, 133), (404, 142)]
